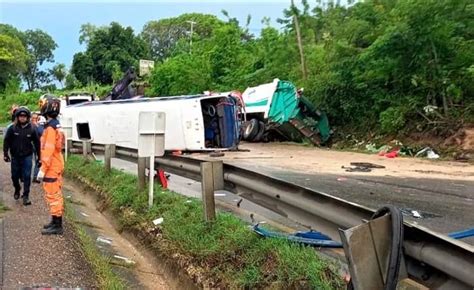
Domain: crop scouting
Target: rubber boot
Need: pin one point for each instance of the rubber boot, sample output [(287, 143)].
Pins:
[(56, 228), (26, 201), (51, 223), (16, 195)]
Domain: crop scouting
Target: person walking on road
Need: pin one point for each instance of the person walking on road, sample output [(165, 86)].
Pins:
[(20, 141), (52, 165), (38, 122)]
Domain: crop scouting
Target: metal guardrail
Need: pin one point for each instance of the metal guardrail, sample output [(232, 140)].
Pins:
[(432, 259)]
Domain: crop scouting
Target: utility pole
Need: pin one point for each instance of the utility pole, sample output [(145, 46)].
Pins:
[(191, 37), (300, 44)]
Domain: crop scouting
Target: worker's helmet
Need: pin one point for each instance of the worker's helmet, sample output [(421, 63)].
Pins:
[(23, 111), (49, 106)]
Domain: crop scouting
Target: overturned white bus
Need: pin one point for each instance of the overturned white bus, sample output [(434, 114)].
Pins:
[(193, 123)]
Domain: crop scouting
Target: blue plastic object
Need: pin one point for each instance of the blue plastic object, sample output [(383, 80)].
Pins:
[(310, 238), (462, 234)]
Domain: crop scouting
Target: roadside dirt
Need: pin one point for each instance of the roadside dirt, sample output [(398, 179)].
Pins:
[(317, 160), (29, 259), (143, 272)]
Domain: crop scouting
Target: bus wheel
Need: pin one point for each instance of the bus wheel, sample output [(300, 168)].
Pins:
[(251, 130)]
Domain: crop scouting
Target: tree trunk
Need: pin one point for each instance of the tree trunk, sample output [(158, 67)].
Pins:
[(300, 44), (445, 104)]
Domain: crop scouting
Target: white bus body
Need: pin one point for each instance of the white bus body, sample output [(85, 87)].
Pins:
[(116, 122)]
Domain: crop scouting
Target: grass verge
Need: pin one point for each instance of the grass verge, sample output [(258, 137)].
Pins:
[(3, 208), (224, 254), (101, 266)]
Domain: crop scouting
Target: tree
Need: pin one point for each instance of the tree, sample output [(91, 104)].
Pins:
[(12, 59), (39, 46), (12, 32), (72, 82), (109, 45), (183, 74), (163, 36), (87, 32), (82, 68), (59, 72)]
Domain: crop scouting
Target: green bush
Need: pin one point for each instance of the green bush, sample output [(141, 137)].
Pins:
[(29, 99), (392, 119)]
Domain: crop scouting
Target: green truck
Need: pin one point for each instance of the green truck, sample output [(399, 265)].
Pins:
[(278, 110)]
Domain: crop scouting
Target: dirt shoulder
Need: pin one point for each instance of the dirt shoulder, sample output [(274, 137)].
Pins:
[(33, 260), (316, 160)]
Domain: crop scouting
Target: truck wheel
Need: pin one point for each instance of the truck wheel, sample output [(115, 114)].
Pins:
[(251, 130), (261, 131)]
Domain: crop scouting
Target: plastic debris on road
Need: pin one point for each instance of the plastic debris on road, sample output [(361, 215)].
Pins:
[(127, 261), (428, 152), (416, 214), (158, 221), (104, 240)]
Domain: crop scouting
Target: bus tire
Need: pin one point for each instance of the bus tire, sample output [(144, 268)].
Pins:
[(251, 130), (261, 131)]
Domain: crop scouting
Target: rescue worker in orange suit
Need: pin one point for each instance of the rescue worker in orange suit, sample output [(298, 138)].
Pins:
[(52, 165)]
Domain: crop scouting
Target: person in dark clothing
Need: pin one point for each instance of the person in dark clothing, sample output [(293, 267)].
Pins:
[(38, 121), (20, 140)]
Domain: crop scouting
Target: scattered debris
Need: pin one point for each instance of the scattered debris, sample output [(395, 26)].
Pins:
[(217, 154), (341, 179), (158, 221), (239, 202), (311, 238), (188, 201), (84, 214), (373, 149), (127, 261), (430, 109), (416, 214), (361, 167), (428, 152), (356, 169), (367, 164), (392, 154), (104, 240), (219, 194), (462, 234)]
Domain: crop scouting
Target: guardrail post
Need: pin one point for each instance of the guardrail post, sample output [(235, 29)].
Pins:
[(109, 153), (69, 146), (212, 179), (141, 172), (86, 148)]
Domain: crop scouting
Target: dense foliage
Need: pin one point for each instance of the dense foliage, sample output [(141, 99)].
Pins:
[(111, 50), (375, 63)]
